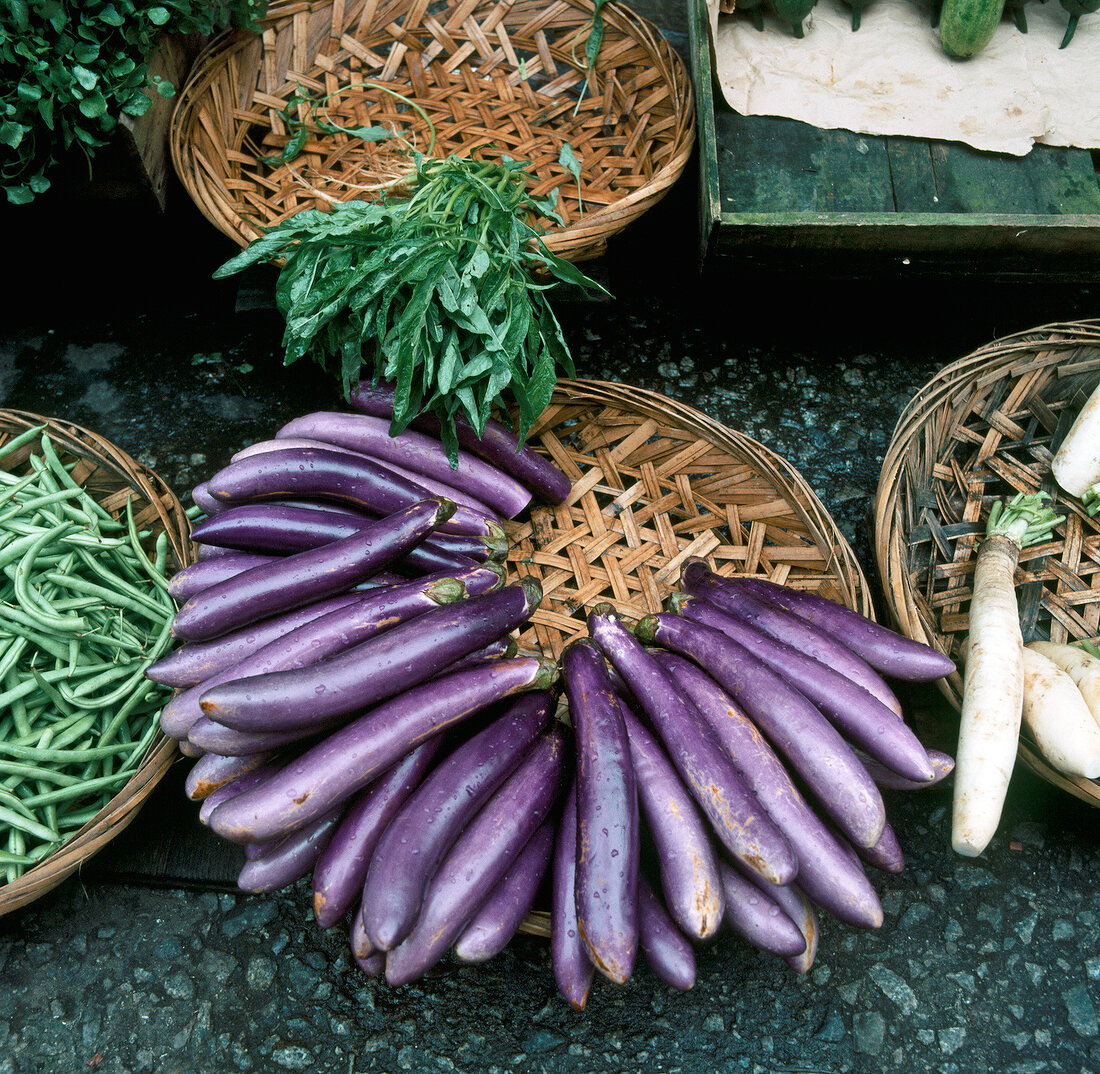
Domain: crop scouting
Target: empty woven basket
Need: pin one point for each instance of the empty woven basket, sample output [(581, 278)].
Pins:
[(983, 428), (471, 78)]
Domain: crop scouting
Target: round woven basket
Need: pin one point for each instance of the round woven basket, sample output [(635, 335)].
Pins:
[(983, 428), (469, 78), (654, 482), (111, 477)]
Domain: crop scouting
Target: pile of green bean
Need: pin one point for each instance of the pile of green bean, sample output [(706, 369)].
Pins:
[(84, 610)]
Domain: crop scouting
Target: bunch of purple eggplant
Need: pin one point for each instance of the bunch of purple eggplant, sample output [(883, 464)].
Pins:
[(738, 742)]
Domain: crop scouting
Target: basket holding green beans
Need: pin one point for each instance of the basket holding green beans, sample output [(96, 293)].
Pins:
[(84, 610)]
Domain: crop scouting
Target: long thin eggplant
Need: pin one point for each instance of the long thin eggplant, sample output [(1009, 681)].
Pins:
[(399, 659), (307, 576), (413, 451), (800, 910), (345, 761), (825, 871), (195, 662), (436, 488), (885, 650), (502, 647), (942, 765), (368, 615), (206, 736), (184, 584), (793, 725), (314, 473), (245, 781), (481, 857), (425, 828), (668, 953), (686, 860), (499, 917), (342, 867), (699, 581), (608, 836), (759, 919), (886, 854), (200, 496), (212, 771), (573, 969), (283, 529), (497, 444), (739, 822), (864, 720), (290, 859)]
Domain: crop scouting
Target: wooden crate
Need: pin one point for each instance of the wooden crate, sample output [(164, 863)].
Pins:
[(781, 194)]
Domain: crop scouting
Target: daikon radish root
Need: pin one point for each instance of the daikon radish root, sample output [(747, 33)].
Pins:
[(1080, 666), (1059, 720), (1076, 465), (993, 677)]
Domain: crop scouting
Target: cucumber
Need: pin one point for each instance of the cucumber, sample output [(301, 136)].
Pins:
[(966, 26)]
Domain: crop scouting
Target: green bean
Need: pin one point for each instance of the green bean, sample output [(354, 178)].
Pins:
[(63, 475), (66, 794), (155, 576), (23, 593), (18, 710), (130, 679), (62, 755), (8, 858), (80, 585), (12, 491), (26, 770), (11, 656), (26, 824), (16, 442), (96, 564), (27, 627), (76, 729), (28, 686)]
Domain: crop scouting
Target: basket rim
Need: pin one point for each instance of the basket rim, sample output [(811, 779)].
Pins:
[(162, 752), (584, 238), (989, 363)]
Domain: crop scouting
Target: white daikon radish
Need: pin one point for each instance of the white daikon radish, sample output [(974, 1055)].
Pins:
[(1082, 668), (993, 678), (1059, 720), (1076, 465)]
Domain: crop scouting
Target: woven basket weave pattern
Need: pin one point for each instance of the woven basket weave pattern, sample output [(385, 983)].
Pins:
[(112, 477), (654, 483), (493, 79), (984, 428)]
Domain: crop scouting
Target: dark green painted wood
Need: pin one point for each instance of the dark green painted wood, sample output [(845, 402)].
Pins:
[(913, 175)]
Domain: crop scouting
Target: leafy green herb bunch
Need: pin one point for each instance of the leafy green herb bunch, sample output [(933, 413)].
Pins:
[(442, 292), (70, 68)]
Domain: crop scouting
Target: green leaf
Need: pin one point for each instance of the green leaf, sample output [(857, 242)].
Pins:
[(94, 105), (165, 88), (110, 15), (158, 16), (11, 134), (569, 161), (137, 105), (86, 78), (19, 195)]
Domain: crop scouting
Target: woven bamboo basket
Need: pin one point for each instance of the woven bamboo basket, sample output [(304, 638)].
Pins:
[(464, 77), (654, 482), (112, 477), (983, 428)]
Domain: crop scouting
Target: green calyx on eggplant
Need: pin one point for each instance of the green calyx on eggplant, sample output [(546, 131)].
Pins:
[(1075, 9), (793, 13)]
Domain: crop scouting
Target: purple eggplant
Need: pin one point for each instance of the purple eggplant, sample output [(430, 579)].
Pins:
[(196, 662), (345, 761), (184, 584), (885, 650), (864, 720), (307, 576), (342, 867), (425, 828), (825, 872), (668, 952), (801, 911), (793, 725), (212, 771), (341, 872), (361, 947), (499, 917), (211, 551), (573, 969), (317, 474), (782, 625), (759, 919), (245, 781), (402, 657), (607, 815), (200, 496), (368, 615), (190, 750), (496, 444), (206, 736), (739, 822), (503, 647), (290, 859), (436, 488), (481, 857), (941, 763), (687, 863), (415, 452), (886, 854)]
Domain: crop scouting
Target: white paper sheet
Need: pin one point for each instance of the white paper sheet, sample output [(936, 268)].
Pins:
[(892, 76)]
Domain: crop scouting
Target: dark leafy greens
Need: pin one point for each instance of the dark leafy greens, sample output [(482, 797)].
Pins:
[(442, 292), (69, 70)]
